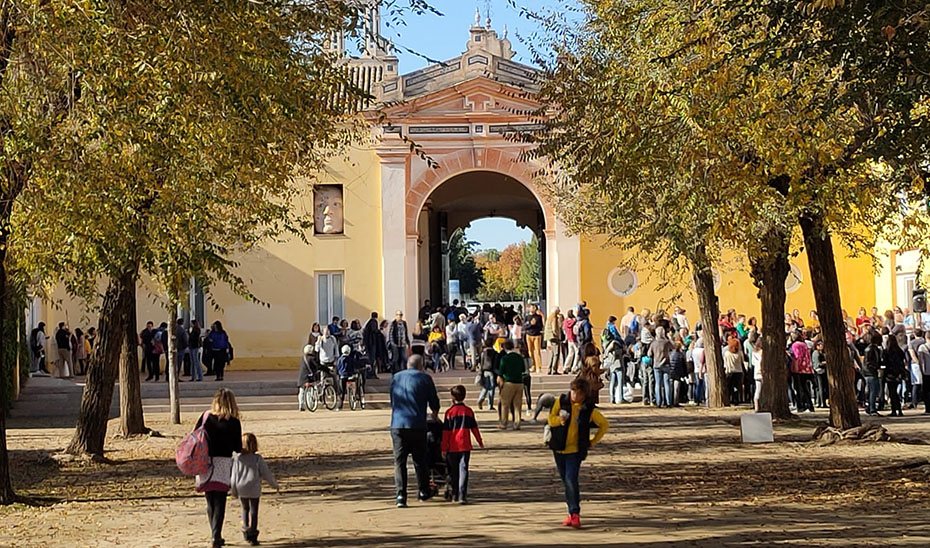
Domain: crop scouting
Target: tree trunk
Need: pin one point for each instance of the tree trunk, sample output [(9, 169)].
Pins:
[(101, 375), (131, 419), (710, 310), (769, 271), (844, 407), (7, 495), (172, 369)]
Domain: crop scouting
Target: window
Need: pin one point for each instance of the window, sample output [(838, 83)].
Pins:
[(794, 279), (622, 282), (478, 38), (196, 305), (330, 299)]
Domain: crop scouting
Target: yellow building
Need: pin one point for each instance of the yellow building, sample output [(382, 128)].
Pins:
[(384, 216)]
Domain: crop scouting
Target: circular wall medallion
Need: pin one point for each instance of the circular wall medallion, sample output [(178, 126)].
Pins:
[(622, 282), (794, 279)]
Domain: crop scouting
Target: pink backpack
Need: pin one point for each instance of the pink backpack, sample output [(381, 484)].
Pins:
[(193, 454)]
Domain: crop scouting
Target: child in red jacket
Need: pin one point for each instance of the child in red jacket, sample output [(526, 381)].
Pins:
[(457, 429)]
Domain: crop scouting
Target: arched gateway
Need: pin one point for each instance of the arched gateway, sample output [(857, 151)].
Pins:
[(460, 115)]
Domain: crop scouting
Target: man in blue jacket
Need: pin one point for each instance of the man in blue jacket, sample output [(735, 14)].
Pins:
[(412, 391)]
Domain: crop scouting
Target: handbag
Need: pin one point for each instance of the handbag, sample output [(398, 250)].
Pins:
[(219, 477), (479, 378)]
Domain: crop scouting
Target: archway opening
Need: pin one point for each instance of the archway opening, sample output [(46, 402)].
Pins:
[(504, 213)]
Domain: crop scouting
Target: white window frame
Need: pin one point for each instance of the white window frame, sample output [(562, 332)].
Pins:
[(330, 302)]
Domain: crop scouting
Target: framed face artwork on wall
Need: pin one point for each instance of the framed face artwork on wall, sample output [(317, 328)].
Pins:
[(328, 212)]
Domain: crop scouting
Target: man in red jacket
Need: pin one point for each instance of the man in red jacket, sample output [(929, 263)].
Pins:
[(457, 429)]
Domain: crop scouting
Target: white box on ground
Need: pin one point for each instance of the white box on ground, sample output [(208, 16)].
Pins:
[(756, 428)]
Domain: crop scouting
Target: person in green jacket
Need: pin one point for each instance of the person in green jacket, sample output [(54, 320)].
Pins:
[(512, 368)]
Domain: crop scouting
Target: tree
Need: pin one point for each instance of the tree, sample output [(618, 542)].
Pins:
[(38, 94), (529, 275), (640, 178), (864, 68), (501, 272), (194, 158), (462, 266)]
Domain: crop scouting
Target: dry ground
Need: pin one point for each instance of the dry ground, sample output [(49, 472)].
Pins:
[(675, 478)]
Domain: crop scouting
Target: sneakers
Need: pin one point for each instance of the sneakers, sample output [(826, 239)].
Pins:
[(575, 521), (567, 522), (401, 502)]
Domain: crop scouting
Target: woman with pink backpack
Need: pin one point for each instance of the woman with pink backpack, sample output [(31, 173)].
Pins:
[(224, 436)]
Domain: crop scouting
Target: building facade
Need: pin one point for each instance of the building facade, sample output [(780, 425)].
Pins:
[(439, 156)]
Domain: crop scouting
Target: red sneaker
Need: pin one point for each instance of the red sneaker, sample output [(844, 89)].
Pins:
[(567, 522), (575, 521)]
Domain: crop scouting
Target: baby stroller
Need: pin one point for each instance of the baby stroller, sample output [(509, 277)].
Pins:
[(438, 470)]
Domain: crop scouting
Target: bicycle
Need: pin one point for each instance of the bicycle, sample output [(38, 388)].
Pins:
[(356, 390), (323, 391)]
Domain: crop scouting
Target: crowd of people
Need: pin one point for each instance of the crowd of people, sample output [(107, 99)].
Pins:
[(661, 353), (197, 350), (200, 353), (73, 349)]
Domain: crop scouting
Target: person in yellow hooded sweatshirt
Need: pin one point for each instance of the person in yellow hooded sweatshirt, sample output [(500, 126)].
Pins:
[(570, 421)]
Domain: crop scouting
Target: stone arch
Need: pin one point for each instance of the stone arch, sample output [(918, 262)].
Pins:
[(463, 161)]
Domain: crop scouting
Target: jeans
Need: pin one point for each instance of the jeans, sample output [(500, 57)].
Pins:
[(822, 390), (488, 388), (249, 517), (458, 474), (398, 358), (216, 513), (534, 347), (511, 403), (662, 380), (615, 387), (647, 379), (412, 442), (700, 388), (569, 466), (196, 366), (875, 386)]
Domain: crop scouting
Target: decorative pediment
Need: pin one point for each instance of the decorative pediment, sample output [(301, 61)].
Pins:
[(478, 96)]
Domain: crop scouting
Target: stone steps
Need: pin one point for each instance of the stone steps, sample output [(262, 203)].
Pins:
[(255, 390)]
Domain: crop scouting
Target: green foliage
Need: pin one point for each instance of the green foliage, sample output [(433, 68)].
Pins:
[(508, 273), (199, 125), (462, 266), (529, 274)]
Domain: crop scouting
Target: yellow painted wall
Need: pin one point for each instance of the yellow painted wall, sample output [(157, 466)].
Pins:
[(857, 285), (283, 275)]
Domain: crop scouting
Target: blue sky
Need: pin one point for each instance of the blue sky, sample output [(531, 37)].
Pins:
[(444, 37), (496, 233)]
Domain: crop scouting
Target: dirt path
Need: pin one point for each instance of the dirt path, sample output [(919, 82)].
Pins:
[(676, 478)]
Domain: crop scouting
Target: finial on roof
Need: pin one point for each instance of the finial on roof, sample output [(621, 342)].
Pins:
[(487, 22), (477, 17), (505, 31)]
